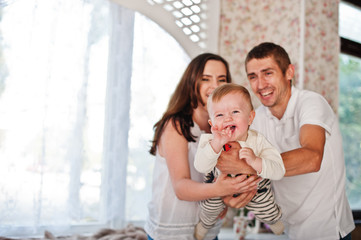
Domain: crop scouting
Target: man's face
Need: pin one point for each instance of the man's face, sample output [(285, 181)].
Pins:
[(268, 83)]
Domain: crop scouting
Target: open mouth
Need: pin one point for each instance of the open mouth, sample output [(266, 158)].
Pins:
[(266, 93), (232, 128)]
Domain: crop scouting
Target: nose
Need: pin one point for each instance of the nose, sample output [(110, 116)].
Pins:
[(214, 83), (261, 82), (228, 117)]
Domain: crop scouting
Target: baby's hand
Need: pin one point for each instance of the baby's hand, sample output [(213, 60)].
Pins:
[(223, 135), (220, 137), (248, 155)]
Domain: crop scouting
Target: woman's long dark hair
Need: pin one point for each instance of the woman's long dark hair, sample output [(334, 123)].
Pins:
[(185, 98)]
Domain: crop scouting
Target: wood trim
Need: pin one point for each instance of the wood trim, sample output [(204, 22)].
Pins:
[(350, 47), (354, 2)]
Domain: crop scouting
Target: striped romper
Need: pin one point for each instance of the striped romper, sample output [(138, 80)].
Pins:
[(263, 203)]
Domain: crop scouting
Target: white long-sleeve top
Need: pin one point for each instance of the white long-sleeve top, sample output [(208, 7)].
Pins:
[(272, 163)]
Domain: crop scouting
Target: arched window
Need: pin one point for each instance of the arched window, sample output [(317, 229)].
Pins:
[(81, 85), (158, 63), (193, 23)]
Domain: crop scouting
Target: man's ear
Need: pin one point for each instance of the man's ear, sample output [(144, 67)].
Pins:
[(252, 114), (290, 72)]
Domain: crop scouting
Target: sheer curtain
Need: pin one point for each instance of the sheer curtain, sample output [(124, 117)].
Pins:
[(158, 64), (64, 110), (77, 107)]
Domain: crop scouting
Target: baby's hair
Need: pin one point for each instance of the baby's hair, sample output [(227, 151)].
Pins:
[(226, 89)]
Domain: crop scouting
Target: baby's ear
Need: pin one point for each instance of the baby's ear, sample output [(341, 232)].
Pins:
[(210, 122), (252, 114)]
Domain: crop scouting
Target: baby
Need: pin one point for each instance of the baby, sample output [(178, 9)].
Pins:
[(231, 113)]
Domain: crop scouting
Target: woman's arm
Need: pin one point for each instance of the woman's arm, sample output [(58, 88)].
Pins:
[(174, 148)]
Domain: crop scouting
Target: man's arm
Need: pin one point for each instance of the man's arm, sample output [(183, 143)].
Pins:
[(308, 157)]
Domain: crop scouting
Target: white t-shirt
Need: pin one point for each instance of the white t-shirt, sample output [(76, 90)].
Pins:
[(314, 205), (272, 164), (170, 218)]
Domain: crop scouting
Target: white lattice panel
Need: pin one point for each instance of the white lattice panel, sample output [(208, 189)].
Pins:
[(193, 23), (189, 15)]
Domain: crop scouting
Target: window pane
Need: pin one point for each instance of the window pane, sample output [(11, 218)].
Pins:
[(350, 115), (53, 70), (350, 22), (158, 63)]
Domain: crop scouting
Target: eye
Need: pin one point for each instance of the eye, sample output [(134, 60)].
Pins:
[(235, 112), (219, 115), (251, 77), (205, 79), (269, 73), (222, 80)]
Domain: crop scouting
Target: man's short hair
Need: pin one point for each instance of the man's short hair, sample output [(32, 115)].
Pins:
[(269, 49)]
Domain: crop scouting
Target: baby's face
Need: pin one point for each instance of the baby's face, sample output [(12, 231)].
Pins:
[(233, 112)]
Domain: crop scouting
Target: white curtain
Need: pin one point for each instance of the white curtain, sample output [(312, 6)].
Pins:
[(73, 143), (59, 89)]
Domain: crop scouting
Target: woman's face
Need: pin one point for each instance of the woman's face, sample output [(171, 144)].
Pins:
[(214, 75)]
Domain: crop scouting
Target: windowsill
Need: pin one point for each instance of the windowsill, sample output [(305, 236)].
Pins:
[(227, 234)]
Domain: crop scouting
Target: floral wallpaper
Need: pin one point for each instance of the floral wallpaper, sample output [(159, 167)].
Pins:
[(322, 48), (314, 25)]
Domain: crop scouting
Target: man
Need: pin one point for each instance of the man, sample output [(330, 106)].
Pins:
[(303, 127)]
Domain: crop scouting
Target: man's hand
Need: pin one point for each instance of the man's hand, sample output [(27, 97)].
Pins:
[(223, 213), (242, 200), (229, 162)]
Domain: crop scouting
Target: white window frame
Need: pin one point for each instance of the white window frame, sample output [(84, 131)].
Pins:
[(209, 21), (117, 124)]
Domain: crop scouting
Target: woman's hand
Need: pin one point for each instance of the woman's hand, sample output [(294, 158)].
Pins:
[(226, 185), (244, 197), (240, 201)]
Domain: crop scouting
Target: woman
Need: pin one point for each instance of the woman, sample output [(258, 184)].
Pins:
[(177, 186)]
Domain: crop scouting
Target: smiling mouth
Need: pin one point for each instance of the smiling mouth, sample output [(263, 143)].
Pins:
[(266, 93), (209, 94), (232, 128)]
